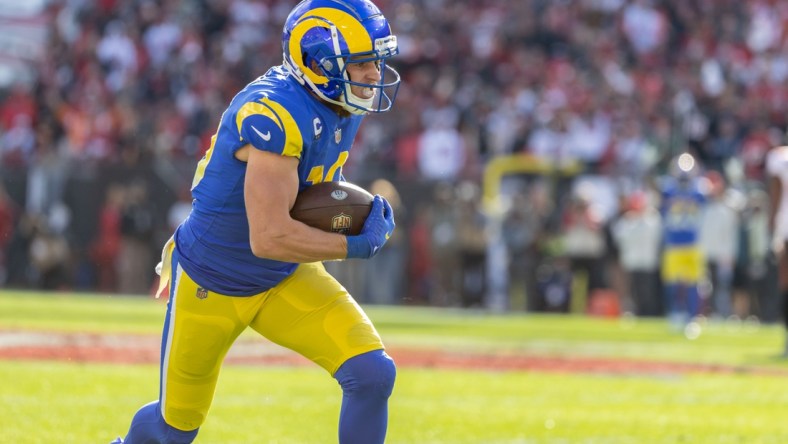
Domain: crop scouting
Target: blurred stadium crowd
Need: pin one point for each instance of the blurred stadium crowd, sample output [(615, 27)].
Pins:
[(106, 106)]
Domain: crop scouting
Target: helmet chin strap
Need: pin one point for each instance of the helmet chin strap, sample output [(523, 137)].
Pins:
[(352, 99)]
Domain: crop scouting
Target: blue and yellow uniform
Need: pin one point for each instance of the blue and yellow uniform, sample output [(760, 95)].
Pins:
[(309, 109), (681, 212), (682, 259), (274, 113), (217, 278)]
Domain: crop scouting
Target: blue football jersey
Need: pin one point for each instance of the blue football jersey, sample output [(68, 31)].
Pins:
[(681, 212), (273, 113)]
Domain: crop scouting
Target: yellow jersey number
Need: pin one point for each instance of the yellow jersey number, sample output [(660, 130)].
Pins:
[(316, 173)]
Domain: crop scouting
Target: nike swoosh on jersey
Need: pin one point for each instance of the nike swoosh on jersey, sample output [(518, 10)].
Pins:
[(266, 136)]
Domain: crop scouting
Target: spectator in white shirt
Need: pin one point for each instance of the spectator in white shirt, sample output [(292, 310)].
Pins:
[(719, 241), (638, 235)]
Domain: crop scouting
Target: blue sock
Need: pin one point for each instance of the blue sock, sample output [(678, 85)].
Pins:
[(367, 381), (148, 427), (693, 301), (672, 304)]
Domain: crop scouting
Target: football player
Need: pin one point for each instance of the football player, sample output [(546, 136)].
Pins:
[(682, 261), (239, 260)]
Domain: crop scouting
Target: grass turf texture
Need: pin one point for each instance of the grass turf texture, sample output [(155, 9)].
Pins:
[(91, 403)]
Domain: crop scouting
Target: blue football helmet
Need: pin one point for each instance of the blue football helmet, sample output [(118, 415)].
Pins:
[(330, 34)]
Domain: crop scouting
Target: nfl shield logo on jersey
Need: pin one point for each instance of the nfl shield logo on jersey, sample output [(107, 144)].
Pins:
[(338, 135), (341, 223), (201, 293)]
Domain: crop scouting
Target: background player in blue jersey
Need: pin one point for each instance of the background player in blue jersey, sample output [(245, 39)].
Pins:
[(683, 265), (240, 261)]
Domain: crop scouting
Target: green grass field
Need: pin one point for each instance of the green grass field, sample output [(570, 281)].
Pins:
[(73, 402)]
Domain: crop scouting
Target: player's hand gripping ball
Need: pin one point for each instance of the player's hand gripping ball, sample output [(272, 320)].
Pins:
[(375, 233), (337, 207)]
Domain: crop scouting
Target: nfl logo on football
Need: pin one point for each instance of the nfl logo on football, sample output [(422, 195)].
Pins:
[(341, 223)]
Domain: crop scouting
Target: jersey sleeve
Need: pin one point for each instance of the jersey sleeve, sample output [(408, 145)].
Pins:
[(268, 125)]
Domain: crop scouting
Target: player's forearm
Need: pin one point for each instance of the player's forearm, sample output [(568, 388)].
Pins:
[(297, 242)]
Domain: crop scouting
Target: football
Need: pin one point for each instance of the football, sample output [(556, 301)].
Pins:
[(337, 207)]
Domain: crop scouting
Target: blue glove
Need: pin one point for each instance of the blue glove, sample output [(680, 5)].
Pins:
[(376, 231)]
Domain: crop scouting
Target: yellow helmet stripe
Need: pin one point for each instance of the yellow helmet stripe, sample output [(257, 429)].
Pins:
[(346, 25), (294, 142)]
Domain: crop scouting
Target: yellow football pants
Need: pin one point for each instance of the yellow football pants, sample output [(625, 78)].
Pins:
[(309, 312)]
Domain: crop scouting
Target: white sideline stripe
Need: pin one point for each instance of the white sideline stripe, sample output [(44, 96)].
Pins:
[(166, 360), (245, 347), (27, 339), (16, 338)]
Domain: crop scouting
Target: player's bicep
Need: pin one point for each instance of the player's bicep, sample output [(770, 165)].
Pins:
[(270, 189)]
